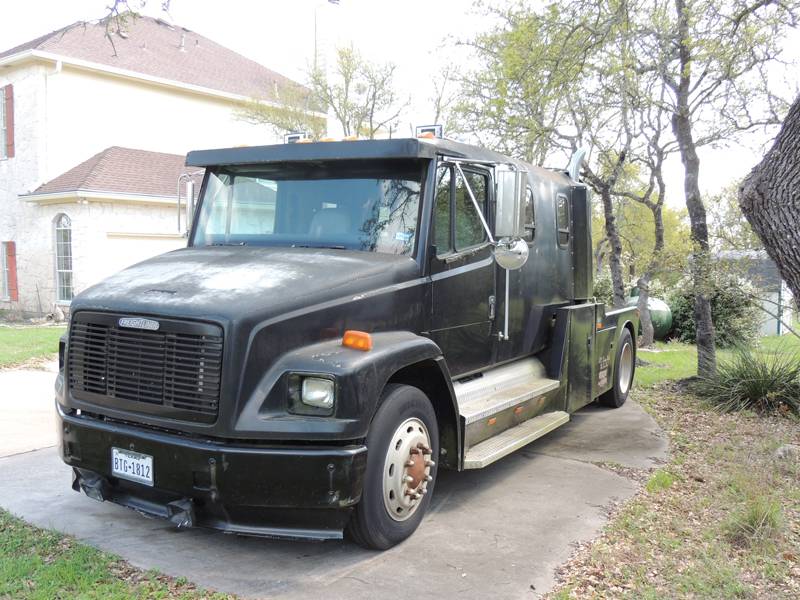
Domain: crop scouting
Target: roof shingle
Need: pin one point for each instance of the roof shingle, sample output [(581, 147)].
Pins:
[(122, 171), (155, 48)]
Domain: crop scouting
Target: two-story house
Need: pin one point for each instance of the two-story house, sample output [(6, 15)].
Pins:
[(93, 133)]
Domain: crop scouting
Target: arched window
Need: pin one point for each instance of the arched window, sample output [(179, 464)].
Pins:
[(63, 258)]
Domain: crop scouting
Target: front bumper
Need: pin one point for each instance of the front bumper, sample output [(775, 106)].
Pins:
[(303, 491)]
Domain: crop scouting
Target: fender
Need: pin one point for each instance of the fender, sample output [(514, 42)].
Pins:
[(360, 377)]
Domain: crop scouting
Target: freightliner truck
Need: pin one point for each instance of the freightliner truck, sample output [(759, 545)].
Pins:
[(346, 319)]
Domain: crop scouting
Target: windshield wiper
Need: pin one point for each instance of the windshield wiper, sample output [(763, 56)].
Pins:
[(229, 244), (331, 247)]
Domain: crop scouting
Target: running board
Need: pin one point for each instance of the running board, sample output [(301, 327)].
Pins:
[(505, 443), (501, 389)]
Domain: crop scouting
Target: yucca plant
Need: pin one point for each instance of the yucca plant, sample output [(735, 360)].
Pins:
[(758, 381)]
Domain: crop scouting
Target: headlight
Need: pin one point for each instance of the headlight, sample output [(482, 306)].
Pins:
[(317, 392), (311, 394)]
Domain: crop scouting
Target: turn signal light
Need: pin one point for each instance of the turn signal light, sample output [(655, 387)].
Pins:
[(357, 340)]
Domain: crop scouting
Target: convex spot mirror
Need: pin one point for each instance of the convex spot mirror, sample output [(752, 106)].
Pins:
[(511, 253)]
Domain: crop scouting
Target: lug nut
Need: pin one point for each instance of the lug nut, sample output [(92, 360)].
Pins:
[(410, 463), (430, 463), (428, 478), (408, 479)]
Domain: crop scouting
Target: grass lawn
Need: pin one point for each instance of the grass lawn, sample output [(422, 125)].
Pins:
[(39, 564), (19, 344), (674, 360)]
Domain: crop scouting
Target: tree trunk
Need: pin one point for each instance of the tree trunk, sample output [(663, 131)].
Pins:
[(682, 128), (615, 256), (770, 200), (645, 322)]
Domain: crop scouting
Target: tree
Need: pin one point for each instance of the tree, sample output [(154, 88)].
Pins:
[(292, 111), (360, 93), (548, 83), (770, 200), (712, 56)]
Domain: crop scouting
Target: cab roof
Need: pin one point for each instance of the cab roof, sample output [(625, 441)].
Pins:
[(347, 150)]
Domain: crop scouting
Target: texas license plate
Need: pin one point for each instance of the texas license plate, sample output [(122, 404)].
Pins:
[(133, 466)]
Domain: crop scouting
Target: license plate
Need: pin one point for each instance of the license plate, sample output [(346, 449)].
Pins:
[(133, 466)]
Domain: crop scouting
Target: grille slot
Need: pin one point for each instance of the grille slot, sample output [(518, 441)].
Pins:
[(172, 371)]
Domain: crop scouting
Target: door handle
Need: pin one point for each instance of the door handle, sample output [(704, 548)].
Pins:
[(492, 307)]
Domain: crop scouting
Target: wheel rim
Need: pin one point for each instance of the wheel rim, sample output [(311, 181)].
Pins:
[(407, 469), (625, 368)]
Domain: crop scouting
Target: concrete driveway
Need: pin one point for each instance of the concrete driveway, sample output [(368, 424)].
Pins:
[(495, 533)]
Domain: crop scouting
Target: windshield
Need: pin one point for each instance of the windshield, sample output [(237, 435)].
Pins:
[(372, 206)]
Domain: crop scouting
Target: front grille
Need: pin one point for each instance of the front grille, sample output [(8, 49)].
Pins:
[(175, 371)]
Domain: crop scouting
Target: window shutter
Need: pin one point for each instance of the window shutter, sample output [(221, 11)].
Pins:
[(11, 263), (9, 141)]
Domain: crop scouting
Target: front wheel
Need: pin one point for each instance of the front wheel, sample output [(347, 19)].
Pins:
[(624, 367), (401, 471)]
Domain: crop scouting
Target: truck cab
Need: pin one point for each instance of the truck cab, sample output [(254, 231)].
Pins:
[(346, 319)]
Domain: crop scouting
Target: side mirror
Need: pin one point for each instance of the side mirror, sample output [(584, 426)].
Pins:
[(511, 251), (510, 211)]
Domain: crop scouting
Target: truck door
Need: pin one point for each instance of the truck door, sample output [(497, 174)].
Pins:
[(462, 270)]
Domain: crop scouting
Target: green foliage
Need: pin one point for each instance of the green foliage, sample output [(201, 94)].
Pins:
[(728, 229), (293, 111), (765, 382), (736, 316), (603, 290)]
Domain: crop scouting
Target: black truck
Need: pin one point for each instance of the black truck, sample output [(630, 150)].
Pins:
[(346, 319)]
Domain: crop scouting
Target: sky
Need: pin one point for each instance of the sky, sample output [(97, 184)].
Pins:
[(419, 36)]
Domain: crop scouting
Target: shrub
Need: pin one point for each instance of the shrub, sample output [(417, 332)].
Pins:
[(758, 520), (750, 380), (736, 317), (603, 290)]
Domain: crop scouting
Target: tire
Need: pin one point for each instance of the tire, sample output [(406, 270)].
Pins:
[(384, 517), (624, 368)]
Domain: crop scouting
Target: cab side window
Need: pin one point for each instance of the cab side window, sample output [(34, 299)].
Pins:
[(441, 217), (469, 231), (562, 220)]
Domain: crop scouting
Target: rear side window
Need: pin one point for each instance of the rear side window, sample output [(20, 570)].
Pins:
[(530, 217), (562, 220)]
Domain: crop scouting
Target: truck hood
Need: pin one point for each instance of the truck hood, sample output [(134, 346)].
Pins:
[(228, 283)]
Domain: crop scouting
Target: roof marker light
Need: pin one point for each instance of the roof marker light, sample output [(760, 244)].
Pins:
[(357, 340)]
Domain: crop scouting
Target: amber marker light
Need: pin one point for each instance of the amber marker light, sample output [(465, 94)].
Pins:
[(426, 136), (357, 340)]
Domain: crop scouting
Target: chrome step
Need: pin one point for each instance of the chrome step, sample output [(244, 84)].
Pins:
[(502, 388), (505, 443)]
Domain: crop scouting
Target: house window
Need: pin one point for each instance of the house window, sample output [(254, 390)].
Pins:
[(3, 128), (5, 293), (7, 122), (64, 290)]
